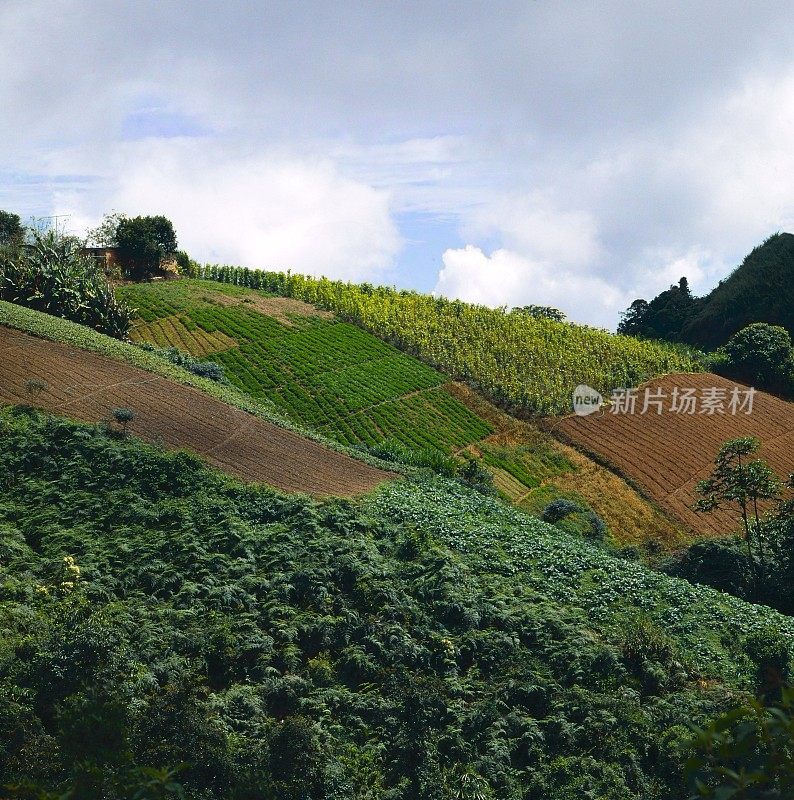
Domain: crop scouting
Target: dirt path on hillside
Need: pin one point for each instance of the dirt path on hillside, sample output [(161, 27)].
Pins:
[(88, 386)]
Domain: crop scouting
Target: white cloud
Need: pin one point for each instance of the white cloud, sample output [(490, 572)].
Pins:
[(630, 144), (269, 210), (508, 278)]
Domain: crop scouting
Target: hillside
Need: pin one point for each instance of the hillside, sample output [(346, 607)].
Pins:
[(319, 370), (761, 289), (88, 385), (331, 376), (526, 363), (667, 454), (424, 643)]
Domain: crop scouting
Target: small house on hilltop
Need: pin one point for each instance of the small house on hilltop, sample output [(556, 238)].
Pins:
[(107, 258)]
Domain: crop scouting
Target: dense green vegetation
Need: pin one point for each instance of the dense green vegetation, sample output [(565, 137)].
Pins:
[(761, 289), (323, 373), (50, 274), (531, 363), (428, 643), (761, 355)]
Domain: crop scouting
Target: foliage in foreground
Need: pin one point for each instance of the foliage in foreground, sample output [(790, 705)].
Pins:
[(516, 359), (51, 275), (431, 643), (748, 753)]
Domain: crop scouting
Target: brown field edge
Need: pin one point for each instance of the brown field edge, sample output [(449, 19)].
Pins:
[(87, 386), (666, 454)]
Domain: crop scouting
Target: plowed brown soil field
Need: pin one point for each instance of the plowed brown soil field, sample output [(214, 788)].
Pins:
[(88, 386), (667, 454)]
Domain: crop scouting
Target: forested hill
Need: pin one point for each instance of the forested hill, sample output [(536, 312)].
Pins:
[(761, 289)]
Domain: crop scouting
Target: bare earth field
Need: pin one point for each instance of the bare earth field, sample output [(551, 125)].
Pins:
[(87, 386), (667, 454)]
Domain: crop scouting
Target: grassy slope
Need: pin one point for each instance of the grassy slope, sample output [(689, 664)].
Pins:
[(424, 640), (348, 385)]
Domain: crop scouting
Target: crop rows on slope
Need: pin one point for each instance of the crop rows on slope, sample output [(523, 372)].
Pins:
[(330, 375), (516, 359), (182, 333), (88, 386), (667, 454)]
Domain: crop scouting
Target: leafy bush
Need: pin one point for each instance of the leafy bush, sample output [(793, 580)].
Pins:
[(52, 276), (761, 355), (204, 369), (768, 649), (562, 508), (144, 243), (720, 563), (474, 474), (559, 509)]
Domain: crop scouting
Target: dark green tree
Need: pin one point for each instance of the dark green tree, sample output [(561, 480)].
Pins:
[(11, 229), (760, 354), (144, 243), (741, 481), (663, 317)]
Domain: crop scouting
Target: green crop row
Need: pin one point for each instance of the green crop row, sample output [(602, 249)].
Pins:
[(327, 374), (514, 358)]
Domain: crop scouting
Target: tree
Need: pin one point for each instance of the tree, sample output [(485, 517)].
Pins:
[(662, 318), (144, 243), (633, 318), (106, 233), (11, 230), (124, 416), (738, 479), (747, 753), (760, 354)]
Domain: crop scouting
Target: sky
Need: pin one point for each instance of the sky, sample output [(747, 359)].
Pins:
[(573, 154)]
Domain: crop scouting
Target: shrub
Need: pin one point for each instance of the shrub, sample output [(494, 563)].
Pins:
[(769, 651), (559, 509), (474, 474), (720, 563), (204, 369), (51, 275), (761, 355)]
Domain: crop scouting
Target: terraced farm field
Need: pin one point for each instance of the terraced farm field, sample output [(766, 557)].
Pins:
[(667, 454), (321, 372), (351, 386), (87, 386)]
